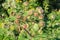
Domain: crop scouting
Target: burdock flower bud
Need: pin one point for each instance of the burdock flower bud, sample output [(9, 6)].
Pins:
[(41, 16), (39, 10), (35, 14), (30, 12), (41, 23), (25, 3), (25, 26), (18, 16), (17, 21)]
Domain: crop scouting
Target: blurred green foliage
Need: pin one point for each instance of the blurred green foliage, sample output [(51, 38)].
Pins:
[(29, 20)]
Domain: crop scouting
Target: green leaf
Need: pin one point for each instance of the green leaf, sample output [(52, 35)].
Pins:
[(25, 13), (44, 35), (12, 18), (35, 27), (23, 36)]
